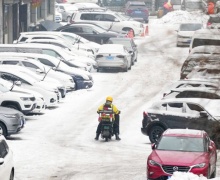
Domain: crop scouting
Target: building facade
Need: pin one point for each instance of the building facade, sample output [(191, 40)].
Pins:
[(21, 15)]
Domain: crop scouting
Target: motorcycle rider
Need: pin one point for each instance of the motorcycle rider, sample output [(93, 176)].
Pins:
[(116, 112)]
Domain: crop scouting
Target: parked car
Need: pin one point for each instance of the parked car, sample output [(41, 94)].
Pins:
[(83, 79), (137, 10), (40, 102), (199, 92), (181, 113), (90, 32), (196, 60), (49, 92), (12, 121), (210, 72), (58, 16), (20, 101), (185, 33), (205, 37), (113, 56), (195, 151), (113, 20), (7, 169), (40, 69), (66, 10), (186, 83), (213, 21), (212, 50), (129, 44), (78, 41)]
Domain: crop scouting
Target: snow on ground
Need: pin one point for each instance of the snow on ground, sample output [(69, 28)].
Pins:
[(189, 176), (59, 145)]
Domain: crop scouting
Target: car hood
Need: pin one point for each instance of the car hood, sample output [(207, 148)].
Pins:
[(19, 94), (176, 157), (186, 33)]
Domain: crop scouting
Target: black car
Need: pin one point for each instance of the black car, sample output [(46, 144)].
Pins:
[(89, 32), (201, 114), (129, 44)]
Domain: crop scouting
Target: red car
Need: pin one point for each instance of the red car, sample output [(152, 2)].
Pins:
[(183, 150)]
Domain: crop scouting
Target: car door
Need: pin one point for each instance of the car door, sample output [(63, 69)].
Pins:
[(134, 47), (5, 168)]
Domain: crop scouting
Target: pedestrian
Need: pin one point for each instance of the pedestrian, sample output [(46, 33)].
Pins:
[(211, 7)]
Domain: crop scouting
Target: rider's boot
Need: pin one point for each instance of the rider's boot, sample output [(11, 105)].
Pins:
[(97, 136), (117, 137)]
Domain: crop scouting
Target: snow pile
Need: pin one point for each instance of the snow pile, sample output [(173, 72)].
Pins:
[(179, 16), (188, 176)]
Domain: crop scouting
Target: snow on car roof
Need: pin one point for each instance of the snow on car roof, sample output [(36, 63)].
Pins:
[(203, 56), (111, 48), (200, 89), (205, 48), (183, 132)]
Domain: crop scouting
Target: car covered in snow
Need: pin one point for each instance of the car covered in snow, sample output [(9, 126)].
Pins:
[(183, 150), (181, 113), (113, 56), (207, 49)]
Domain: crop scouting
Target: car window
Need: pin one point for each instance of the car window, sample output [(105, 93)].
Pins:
[(50, 52), (10, 62), (3, 149), (11, 77), (176, 107), (72, 30), (46, 62), (98, 17), (194, 107), (108, 17), (31, 65), (88, 16), (203, 42), (23, 39), (87, 30)]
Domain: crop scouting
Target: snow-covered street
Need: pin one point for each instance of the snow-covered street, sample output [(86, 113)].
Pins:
[(60, 145)]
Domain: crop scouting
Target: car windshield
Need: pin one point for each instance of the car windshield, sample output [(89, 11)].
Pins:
[(203, 42), (194, 5), (190, 27), (188, 144), (127, 44), (3, 88)]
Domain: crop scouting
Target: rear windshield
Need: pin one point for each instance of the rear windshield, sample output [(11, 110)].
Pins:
[(190, 27), (214, 19), (203, 42)]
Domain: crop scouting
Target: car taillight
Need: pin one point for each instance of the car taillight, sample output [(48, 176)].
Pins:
[(99, 56), (145, 114), (120, 56), (208, 24)]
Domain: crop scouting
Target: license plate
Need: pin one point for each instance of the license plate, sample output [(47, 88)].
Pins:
[(138, 12), (110, 58), (106, 127)]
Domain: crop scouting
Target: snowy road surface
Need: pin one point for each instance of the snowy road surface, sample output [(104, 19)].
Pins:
[(60, 145)]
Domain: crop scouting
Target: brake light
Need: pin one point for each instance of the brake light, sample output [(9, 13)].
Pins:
[(208, 24), (145, 114), (120, 56), (99, 56)]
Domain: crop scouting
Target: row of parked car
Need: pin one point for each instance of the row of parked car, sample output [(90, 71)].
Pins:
[(188, 114)]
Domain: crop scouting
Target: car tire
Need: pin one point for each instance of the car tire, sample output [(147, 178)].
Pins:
[(12, 175), (155, 133), (130, 66), (125, 69), (3, 129)]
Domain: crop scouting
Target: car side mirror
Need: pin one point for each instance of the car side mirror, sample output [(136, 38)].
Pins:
[(153, 146), (1, 161), (18, 83), (203, 114)]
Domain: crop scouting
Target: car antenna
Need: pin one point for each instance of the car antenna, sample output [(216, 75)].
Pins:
[(110, 27), (46, 73), (13, 84)]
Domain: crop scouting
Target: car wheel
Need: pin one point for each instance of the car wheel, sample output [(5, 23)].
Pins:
[(3, 130), (130, 65), (155, 133), (12, 175)]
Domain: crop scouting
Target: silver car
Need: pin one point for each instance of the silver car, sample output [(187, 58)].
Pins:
[(113, 56), (11, 121), (66, 10)]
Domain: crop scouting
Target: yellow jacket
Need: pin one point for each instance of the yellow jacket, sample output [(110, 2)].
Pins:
[(113, 107)]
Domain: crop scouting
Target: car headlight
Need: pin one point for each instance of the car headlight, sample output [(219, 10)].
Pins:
[(25, 99), (201, 165), (10, 116), (154, 163)]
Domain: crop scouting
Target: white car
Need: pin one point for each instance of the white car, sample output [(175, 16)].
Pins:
[(58, 16), (185, 33), (113, 20), (208, 49), (66, 10), (20, 101), (59, 36), (50, 81), (113, 56), (7, 169), (40, 102), (40, 69), (49, 92)]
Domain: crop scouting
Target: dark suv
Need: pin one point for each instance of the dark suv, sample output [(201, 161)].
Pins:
[(196, 113)]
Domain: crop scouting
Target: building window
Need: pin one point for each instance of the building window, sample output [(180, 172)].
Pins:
[(48, 7)]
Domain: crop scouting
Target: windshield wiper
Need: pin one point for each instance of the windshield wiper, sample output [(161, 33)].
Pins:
[(46, 73)]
